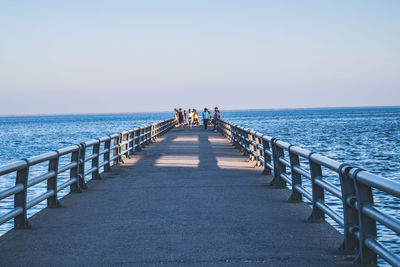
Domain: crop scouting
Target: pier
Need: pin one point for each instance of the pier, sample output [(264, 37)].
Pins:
[(163, 195)]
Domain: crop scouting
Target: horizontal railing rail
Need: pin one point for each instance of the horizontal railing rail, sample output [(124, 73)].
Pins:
[(98, 153), (285, 162)]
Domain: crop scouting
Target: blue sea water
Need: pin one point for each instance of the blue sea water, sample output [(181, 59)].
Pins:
[(366, 137)]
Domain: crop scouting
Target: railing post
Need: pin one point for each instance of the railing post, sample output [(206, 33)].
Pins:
[(21, 221), (148, 135), (95, 161), (236, 137), (232, 131), (106, 156), (245, 143), (165, 127), (367, 225), (116, 150), (279, 167), (248, 142), (317, 214), (266, 156), (145, 136), (52, 202), (251, 146), (219, 127), (119, 148), (225, 129), (296, 178), (153, 132), (74, 173), (228, 131), (259, 151), (131, 144), (126, 146), (239, 138), (137, 140), (350, 243), (142, 144), (133, 141), (82, 152)]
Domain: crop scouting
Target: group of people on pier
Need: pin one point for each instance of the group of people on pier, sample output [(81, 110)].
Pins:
[(191, 118)]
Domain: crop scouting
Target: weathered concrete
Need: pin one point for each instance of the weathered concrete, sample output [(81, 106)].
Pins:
[(188, 199)]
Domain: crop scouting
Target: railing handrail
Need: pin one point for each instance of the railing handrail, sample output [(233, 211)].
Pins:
[(355, 192), (124, 144)]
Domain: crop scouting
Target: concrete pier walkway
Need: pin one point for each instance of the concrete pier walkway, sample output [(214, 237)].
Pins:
[(189, 198)]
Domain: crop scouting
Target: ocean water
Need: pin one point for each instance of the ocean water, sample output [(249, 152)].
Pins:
[(26, 136), (365, 137)]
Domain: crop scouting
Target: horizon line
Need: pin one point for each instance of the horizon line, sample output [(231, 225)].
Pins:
[(164, 111)]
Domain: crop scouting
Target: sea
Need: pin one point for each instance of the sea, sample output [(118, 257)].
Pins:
[(368, 137)]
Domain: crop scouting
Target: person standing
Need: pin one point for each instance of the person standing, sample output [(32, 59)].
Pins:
[(176, 116), (195, 118), (217, 116), (181, 117), (185, 119), (206, 117), (190, 118)]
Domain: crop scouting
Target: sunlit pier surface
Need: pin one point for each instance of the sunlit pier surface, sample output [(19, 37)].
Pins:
[(188, 198)]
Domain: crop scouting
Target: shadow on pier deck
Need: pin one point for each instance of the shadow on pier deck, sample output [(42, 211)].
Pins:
[(189, 198)]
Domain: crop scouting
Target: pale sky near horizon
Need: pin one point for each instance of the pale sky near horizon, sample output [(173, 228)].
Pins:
[(138, 56)]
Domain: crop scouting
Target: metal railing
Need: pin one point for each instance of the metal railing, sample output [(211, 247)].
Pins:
[(98, 153), (286, 163)]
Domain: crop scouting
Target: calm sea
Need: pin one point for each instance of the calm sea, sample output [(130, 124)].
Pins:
[(366, 137)]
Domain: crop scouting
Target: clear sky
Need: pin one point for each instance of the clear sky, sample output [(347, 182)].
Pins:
[(131, 56)]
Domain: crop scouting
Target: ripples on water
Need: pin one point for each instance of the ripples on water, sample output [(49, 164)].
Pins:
[(22, 137), (366, 137)]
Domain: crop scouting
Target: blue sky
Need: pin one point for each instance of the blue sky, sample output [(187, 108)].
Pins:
[(132, 56)]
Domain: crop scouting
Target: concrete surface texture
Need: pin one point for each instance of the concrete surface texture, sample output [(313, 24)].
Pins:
[(189, 198)]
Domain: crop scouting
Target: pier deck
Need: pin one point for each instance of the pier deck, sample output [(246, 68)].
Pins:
[(189, 198)]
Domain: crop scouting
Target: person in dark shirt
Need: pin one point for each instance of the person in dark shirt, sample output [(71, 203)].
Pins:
[(181, 117), (217, 116)]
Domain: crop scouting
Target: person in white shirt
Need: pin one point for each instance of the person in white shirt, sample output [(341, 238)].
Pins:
[(190, 118)]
